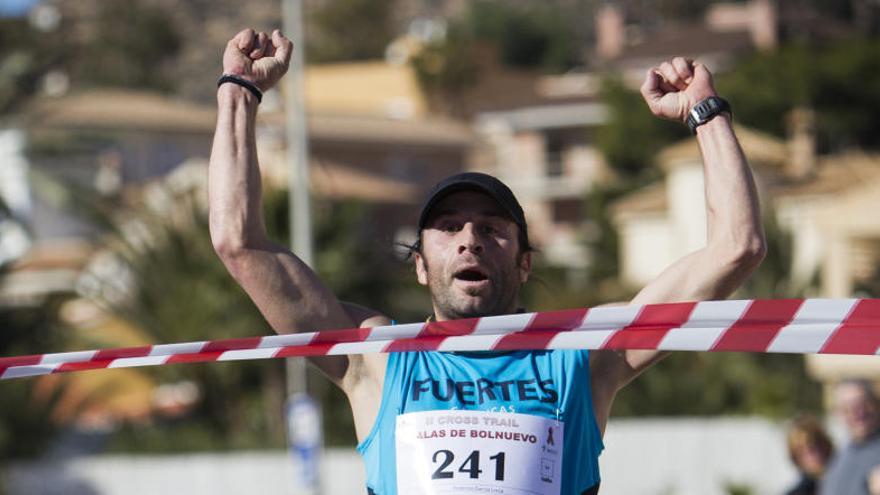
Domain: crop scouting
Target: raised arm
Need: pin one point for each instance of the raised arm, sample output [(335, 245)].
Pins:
[(735, 242), (287, 292)]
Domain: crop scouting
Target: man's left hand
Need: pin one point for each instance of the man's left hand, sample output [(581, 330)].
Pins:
[(673, 88)]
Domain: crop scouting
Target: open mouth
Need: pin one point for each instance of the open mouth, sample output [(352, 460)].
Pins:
[(471, 275)]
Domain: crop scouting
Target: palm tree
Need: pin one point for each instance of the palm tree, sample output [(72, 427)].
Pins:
[(158, 272)]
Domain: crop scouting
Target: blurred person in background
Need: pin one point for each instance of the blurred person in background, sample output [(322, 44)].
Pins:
[(810, 449), (853, 468), (473, 255)]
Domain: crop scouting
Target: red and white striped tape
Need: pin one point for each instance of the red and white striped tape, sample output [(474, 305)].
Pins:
[(824, 326)]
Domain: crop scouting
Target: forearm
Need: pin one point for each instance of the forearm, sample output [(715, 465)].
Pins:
[(734, 230), (234, 184)]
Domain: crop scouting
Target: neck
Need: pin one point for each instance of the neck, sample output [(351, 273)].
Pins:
[(440, 316)]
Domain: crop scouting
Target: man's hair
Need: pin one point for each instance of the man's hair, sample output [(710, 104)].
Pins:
[(806, 430)]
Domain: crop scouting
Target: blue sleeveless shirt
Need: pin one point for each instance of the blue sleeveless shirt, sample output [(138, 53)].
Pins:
[(552, 384)]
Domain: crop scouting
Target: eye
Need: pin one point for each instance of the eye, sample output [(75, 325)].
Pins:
[(489, 229), (450, 226)]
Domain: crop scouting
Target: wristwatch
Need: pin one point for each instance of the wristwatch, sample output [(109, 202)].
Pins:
[(705, 111)]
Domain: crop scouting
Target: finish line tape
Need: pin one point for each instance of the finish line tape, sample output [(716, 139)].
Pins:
[(821, 326)]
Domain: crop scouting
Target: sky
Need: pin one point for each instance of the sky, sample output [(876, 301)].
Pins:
[(16, 8)]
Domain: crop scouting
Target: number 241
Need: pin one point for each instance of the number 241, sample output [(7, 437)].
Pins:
[(471, 465)]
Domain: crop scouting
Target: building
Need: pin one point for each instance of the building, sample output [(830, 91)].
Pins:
[(545, 152), (631, 37), (666, 220)]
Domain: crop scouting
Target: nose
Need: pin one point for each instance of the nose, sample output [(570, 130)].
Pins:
[(469, 239)]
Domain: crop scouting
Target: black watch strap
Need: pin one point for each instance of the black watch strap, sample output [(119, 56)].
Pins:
[(705, 111), (229, 78)]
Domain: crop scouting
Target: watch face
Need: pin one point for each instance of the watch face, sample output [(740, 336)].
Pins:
[(706, 107), (705, 111)]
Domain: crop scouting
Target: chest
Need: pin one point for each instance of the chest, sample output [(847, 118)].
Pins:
[(527, 384)]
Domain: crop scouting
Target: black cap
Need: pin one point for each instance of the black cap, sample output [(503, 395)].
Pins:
[(484, 183)]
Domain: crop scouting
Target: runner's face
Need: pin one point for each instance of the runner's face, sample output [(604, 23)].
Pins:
[(811, 459), (859, 410), (470, 258)]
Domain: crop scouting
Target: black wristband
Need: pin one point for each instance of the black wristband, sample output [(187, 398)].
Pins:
[(225, 78)]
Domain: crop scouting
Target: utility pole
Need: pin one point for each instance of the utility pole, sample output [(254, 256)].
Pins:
[(303, 414), (297, 154)]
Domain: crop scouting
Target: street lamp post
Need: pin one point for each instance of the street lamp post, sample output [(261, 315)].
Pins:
[(297, 152), (300, 406)]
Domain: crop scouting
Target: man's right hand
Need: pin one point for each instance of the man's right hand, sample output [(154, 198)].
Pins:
[(257, 57)]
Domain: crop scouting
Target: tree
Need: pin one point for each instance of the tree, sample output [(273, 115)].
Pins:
[(132, 47), (445, 69), (631, 137), (838, 81), (24, 57), (25, 428), (702, 383), (346, 30), (179, 291), (527, 35)]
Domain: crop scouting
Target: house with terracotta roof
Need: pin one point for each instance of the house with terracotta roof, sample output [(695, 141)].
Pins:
[(630, 39), (374, 142)]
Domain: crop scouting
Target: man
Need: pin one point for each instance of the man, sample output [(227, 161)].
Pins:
[(427, 422), (851, 469)]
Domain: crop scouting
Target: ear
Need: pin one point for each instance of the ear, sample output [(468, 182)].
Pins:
[(525, 267), (421, 269)]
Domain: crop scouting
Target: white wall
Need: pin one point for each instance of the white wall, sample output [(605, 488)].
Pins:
[(809, 242), (264, 473), (646, 247), (15, 194), (14, 188), (654, 456), (687, 207), (650, 242), (694, 456)]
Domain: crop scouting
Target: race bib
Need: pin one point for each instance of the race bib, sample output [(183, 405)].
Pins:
[(452, 452)]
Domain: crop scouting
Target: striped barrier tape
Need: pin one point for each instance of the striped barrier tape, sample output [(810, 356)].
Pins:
[(822, 326)]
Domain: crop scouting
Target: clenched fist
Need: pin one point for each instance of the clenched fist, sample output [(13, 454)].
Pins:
[(257, 57), (672, 89)]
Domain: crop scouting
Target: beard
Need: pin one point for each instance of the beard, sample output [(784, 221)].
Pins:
[(497, 298)]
